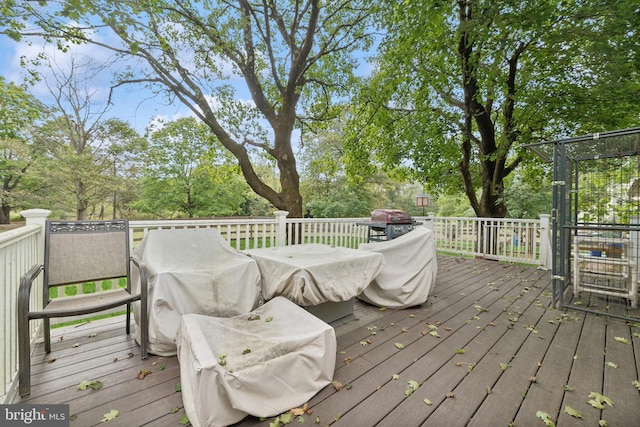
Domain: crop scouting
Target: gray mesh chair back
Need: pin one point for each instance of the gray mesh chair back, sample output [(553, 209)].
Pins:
[(77, 252)]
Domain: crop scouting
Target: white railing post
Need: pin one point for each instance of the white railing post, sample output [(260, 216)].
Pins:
[(545, 241), (39, 217), (429, 224), (281, 227)]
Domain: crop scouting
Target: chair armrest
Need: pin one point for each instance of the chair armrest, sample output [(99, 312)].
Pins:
[(135, 258), (26, 282)]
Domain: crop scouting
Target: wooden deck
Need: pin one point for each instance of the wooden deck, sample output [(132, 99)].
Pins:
[(486, 350)]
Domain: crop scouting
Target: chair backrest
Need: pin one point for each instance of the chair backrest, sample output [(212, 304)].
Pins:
[(81, 251)]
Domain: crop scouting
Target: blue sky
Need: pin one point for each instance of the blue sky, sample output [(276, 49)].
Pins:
[(132, 104)]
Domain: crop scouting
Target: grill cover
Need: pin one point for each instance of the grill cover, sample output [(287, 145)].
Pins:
[(390, 216)]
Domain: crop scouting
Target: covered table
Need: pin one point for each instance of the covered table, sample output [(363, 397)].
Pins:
[(261, 364), (409, 272), (314, 274), (192, 271)]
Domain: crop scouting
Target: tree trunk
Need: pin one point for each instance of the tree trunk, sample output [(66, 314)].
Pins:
[(5, 217)]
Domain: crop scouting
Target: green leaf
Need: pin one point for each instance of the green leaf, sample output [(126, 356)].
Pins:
[(395, 377), (268, 319), (178, 387), (546, 418), (428, 402), (595, 404), (434, 334), (246, 351), (636, 383), (460, 350), (602, 423), (286, 418), (399, 345), (612, 365), (574, 413), (183, 420), (623, 340), (504, 366), (567, 387), (110, 415), (600, 398), (93, 384), (411, 387)]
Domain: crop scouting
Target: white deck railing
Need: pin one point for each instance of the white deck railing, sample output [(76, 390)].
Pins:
[(511, 240)]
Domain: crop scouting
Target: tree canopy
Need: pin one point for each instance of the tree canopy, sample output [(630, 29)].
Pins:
[(19, 112), (292, 58), (460, 86)]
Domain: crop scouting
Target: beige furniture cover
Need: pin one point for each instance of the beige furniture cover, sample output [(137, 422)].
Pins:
[(262, 364), (311, 274), (193, 271), (409, 272)]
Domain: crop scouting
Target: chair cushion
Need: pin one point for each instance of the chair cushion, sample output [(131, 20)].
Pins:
[(263, 363)]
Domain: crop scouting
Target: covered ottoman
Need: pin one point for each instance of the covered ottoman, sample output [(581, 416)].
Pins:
[(409, 272), (262, 364)]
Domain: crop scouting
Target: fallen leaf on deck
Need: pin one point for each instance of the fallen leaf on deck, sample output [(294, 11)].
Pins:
[(347, 360), (546, 418), (411, 387), (76, 345), (600, 399), (143, 373), (178, 387), (296, 412), (623, 340), (110, 415), (574, 413), (337, 385), (399, 345), (51, 360), (450, 394), (184, 420), (93, 384)]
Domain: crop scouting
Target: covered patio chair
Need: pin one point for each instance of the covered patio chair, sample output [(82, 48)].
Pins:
[(76, 252), (409, 271)]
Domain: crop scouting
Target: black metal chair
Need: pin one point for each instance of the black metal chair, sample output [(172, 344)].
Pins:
[(78, 252)]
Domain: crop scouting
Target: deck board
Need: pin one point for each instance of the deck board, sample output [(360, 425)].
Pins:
[(518, 356)]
